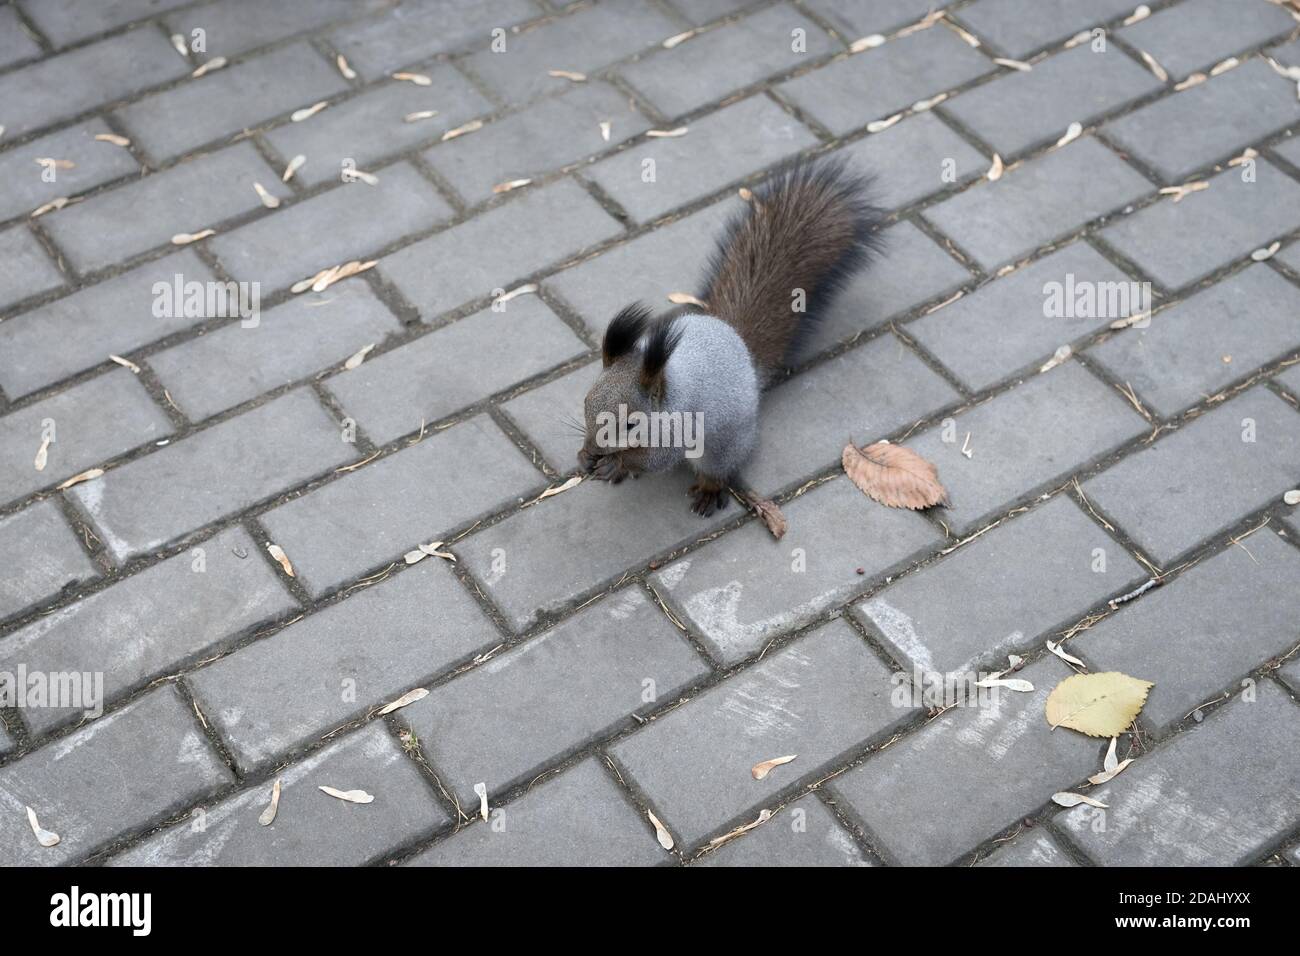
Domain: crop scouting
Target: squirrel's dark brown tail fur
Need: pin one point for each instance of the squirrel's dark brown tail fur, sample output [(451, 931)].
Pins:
[(808, 229)]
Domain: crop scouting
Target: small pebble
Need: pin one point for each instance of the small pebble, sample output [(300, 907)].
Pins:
[(861, 571)]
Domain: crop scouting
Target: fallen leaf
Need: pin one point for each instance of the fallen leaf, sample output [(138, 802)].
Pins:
[(568, 75), (511, 185), (1072, 132), (525, 289), (1141, 13), (185, 238), (410, 697), (342, 63), (1020, 65), (970, 38), (559, 489), (351, 796), (481, 790), (43, 837), (929, 20), (269, 201), (1260, 255), (1108, 775), (1196, 79), (1099, 705), (1059, 356), (297, 116), (1223, 66), (920, 106), (282, 559), (359, 357), (1292, 497), (672, 41), (1247, 154), (113, 138), (661, 831), (1186, 189), (894, 475), (50, 206), (294, 165), (42, 454), (996, 170), (763, 816), (761, 770), (419, 79), (268, 815), (125, 363), (469, 127), (1083, 36), (216, 63), (768, 513), (419, 115), (49, 161), (178, 44), (1074, 799), (745, 194), (880, 125), (427, 551), (77, 479), (1290, 72), (667, 133), (605, 128), (1010, 683), (1154, 66), (867, 43), (1111, 760), (685, 298), (1068, 658), (352, 175)]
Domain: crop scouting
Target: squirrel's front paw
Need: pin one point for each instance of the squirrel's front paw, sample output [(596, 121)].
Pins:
[(609, 468), (708, 498)]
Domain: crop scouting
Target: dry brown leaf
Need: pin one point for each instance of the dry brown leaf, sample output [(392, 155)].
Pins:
[(1154, 66), (1059, 356), (1065, 799), (510, 185), (216, 63), (1290, 72), (672, 41), (113, 138), (768, 513), (1110, 774), (763, 816), (1020, 65), (996, 170), (867, 43), (1186, 189), (1068, 658), (1223, 66), (559, 489), (761, 770), (410, 697), (526, 289), (77, 479), (297, 116), (342, 63), (50, 206), (469, 127), (1268, 252), (125, 363), (929, 20), (1247, 154), (268, 815), (668, 133), (277, 554), (1196, 79), (43, 837), (269, 201), (1072, 132), (419, 79), (1010, 683), (358, 357), (685, 298), (351, 796), (920, 106), (880, 125), (971, 39), (568, 75), (481, 790), (1138, 15), (42, 454), (1083, 36), (661, 832), (419, 115), (185, 238), (894, 475), (294, 165)]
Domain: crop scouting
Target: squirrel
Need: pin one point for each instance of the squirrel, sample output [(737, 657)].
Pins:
[(778, 264)]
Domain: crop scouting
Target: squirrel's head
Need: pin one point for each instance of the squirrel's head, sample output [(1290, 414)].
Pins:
[(635, 352)]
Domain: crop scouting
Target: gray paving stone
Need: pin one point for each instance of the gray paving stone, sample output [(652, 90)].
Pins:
[(721, 148), (403, 810), (148, 761), (1022, 27), (807, 420), (820, 698), (854, 19), (1197, 34), (742, 591), (383, 510), (560, 549), (553, 695), (1217, 795), (1004, 327), (243, 96), (546, 226), (1001, 592), (584, 42), (69, 335), (541, 829), (423, 28), (352, 221), (26, 269), (152, 623), (1023, 110), (232, 364), (712, 64), (1003, 751), (60, 87), (556, 132), (544, 414), (144, 214), (1031, 848), (1252, 318), (372, 125), (457, 365), (339, 663), (66, 21), (42, 556), (1230, 111), (1179, 243), (96, 162), (1044, 199), (1196, 482), (805, 833), (93, 422), (914, 159), (850, 93), (705, 11), (671, 258), (1229, 614), (912, 270), (15, 43), (1027, 438), (237, 26), (158, 499)]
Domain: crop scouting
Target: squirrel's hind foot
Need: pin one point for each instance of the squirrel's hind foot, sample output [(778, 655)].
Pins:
[(708, 497)]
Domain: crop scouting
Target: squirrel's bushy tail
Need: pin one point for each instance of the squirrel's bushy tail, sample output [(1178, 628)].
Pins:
[(808, 229)]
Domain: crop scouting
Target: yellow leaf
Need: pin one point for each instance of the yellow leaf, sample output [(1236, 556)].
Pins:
[(1099, 705)]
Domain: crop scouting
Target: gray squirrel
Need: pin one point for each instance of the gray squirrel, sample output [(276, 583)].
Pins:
[(807, 230)]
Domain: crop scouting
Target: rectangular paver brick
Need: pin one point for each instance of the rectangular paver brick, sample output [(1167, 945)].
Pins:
[(470, 260), (383, 510), (93, 422), (712, 64), (237, 26), (403, 810), (804, 833), (1205, 477), (16, 44), (352, 221), (115, 225), (71, 334), (152, 623), (455, 366), (66, 21), (1217, 795), (742, 590), (155, 500), (1025, 439), (1031, 848), (1197, 34), (41, 556), (235, 363), (97, 162), (553, 695), (1046, 198), (820, 698), (153, 754), (1022, 27), (854, 19), (545, 415), (26, 269), (1003, 751), (725, 146), (284, 691), (1001, 592)]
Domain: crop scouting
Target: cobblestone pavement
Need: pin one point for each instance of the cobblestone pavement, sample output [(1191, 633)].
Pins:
[(602, 654)]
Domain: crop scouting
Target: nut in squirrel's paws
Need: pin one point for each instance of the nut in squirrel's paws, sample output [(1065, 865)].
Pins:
[(708, 499)]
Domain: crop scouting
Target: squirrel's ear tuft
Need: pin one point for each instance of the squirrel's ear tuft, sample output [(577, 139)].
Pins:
[(659, 348), (624, 331)]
